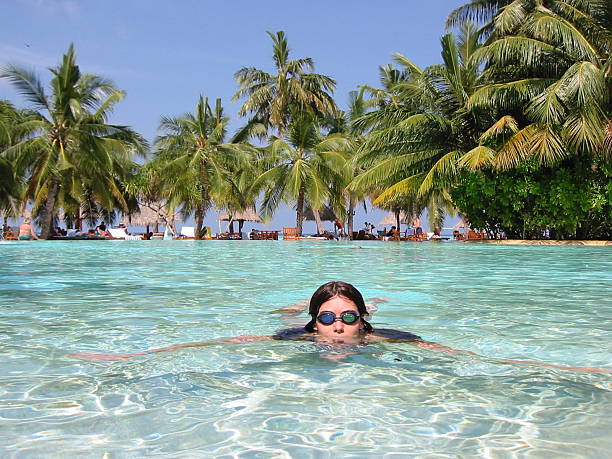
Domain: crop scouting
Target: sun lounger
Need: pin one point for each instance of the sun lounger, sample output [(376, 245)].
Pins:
[(476, 235), (290, 234), (266, 235), (119, 233), (188, 231), (230, 236)]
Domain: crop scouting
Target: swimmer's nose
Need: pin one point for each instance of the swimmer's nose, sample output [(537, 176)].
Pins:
[(338, 327)]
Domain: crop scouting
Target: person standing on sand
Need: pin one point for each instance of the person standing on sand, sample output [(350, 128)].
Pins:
[(339, 227), (26, 232)]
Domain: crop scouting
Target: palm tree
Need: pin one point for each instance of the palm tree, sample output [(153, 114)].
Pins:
[(195, 162), (10, 183), (271, 98), (421, 128), (547, 78), (69, 142), (303, 166), (344, 198)]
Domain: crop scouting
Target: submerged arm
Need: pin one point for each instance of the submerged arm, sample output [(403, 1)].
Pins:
[(400, 336), (111, 357), (450, 350)]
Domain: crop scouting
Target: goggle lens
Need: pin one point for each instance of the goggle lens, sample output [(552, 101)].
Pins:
[(347, 317)]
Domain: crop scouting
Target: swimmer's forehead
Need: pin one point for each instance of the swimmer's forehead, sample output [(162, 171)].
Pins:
[(340, 297)]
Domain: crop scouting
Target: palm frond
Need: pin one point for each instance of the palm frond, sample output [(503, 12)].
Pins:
[(477, 158)]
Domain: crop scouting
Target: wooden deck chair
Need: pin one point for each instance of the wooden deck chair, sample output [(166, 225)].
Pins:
[(476, 235), (290, 234)]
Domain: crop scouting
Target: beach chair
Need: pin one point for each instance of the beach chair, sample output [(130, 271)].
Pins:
[(119, 233), (290, 234), (471, 235), (268, 235), (188, 232)]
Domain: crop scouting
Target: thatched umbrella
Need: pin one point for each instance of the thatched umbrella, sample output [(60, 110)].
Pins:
[(325, 214), (391, 219), (247, 215), (150, 214)]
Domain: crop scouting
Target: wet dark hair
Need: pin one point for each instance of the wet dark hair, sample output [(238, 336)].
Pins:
[(331, 290)]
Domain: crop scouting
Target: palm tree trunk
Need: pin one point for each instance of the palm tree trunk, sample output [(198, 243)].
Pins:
[(204, 200), (79, 221), (45, 231), (351, 217), (319, 223), (299, 219), (199, 219)]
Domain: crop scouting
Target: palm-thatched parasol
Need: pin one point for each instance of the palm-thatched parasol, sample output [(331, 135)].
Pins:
[(150, 214), (247, 215), (326, 214), (390, 219)]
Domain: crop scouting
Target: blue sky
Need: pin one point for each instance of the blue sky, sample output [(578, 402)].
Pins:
[(165, 54)]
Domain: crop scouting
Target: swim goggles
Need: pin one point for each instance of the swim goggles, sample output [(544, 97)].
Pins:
[(347, 317)]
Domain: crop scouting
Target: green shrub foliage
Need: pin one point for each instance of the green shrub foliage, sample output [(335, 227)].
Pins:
[(571, 201)]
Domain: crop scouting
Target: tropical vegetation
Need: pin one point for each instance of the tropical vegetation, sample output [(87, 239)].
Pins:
[(512, 129)]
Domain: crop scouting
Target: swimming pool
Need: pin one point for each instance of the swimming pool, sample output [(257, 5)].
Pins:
[(300, 399)]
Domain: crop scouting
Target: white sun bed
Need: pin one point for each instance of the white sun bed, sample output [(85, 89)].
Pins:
[(119, 233), (188, 231)]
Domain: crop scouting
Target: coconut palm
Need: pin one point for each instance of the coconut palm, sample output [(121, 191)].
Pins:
[(194, 161), (547, 78), (421, 128), (270, 98), (303, 166), (345, 199), (69, 141), (10, 184)]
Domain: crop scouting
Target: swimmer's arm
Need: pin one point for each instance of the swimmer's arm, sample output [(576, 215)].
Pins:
[(112, 357), (396, 336), (450, 350), (560, 367)]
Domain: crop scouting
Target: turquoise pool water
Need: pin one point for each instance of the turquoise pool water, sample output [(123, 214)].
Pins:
[(298, 399)]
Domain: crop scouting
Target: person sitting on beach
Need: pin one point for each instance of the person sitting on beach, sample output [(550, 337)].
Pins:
[(416, 225), (393, 233), (327, 235), (26, 231), (337, 316), (101, 230), (457, 235)]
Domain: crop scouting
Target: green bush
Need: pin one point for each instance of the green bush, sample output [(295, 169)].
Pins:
[(571, 201)]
